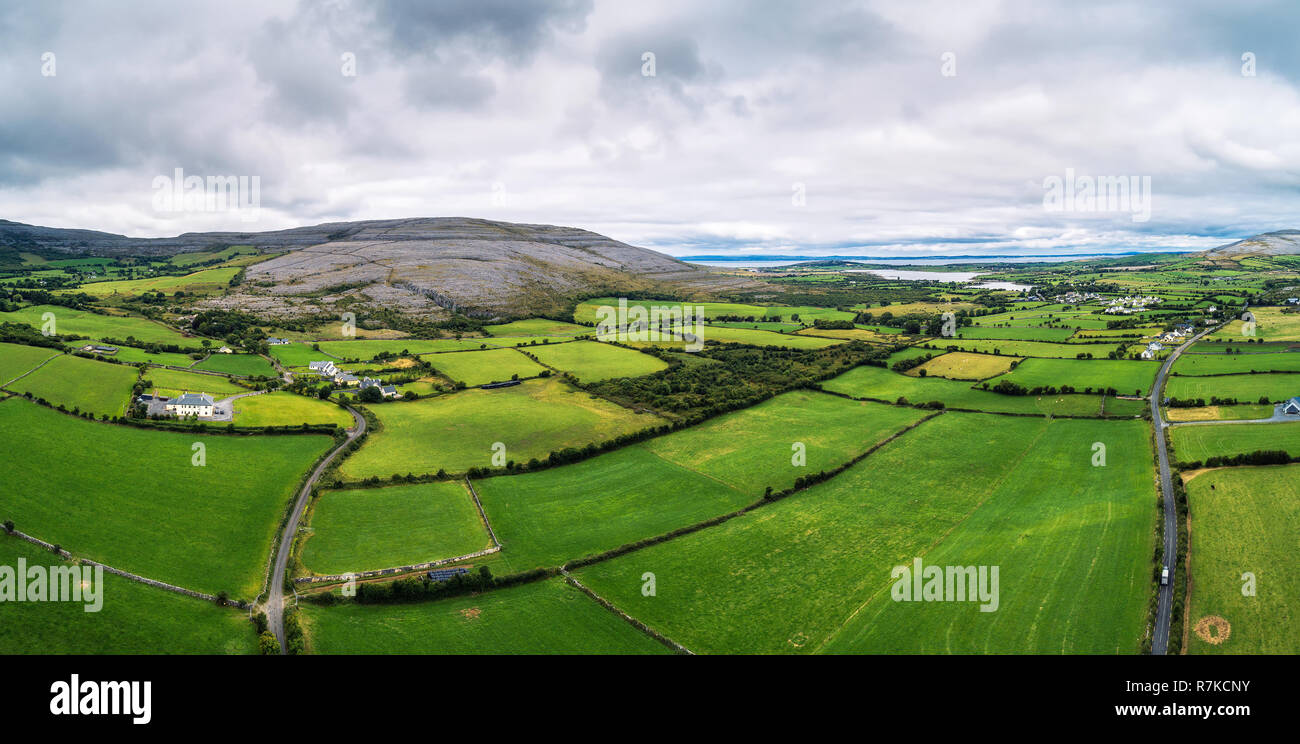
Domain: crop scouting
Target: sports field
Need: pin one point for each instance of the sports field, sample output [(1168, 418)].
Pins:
[(16, 360), (95, 325), (482, 367), (1039, 510), (1244, 521), (592, 361), (457, 432), (132, 619), (1201, 441), (246, 365), (1275, 386), (288, 409), (371, 528), (672, 481), (173, 382), (1127, 377), (958, 365), (85, 384), (148, 508), (545, 617)]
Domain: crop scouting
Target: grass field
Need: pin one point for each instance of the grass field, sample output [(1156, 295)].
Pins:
[(728, 335), (1199, 442), (366, 349), (586, 312), (288, 409), (1024, 348), (132, 355), (647, 489), (85, 384), (958, 365), (882, 384), (1127, 377), (133, 619), (93, 325), (1276, 386), (456, 432), (1073, 544), (591, 361), (371, 528), (1055, 335), (1271, 324), (207, 281), (1244, 520), (298, 355), (545, 617), (174, 382), (147, 508), (1219, 413), (537, 327), (16, 360), (1224, 364), (482, 367), (246, 365)]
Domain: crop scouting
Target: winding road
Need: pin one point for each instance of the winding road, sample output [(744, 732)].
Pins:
[(274, 606), (1160, 639)]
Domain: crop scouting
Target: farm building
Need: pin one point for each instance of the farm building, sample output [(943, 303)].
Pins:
[(96, 349), (1292, 406), (191, 404), (277, 341), (345, 379), (389, 391), (324, 369)]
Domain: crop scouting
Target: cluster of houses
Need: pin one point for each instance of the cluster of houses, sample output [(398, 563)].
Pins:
[(1130, 305), (1077, 298), (327, 370), (1180, 331)]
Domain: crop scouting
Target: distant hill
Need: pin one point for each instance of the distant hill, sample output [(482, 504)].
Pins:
[(1280, 243), (422, 265)]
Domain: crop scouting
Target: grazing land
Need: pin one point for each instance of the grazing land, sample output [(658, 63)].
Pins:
[(100, 388), (482, 367), (1129, 378), (538, 327), (1199, 442), (1274, 386), (1024, 348), (958, 365), (592, 361), (16, 360), (96, 325), (173, 382), (246, 365), (288, 409)]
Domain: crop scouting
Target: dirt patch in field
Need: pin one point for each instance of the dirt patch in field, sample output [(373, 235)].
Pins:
[(1213, 629), (471, 613)]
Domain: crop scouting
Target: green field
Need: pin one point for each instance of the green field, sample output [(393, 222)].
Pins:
[(298, 355), (372, 528), (545, 617), (877, 383), (246, 365), (16, 360), (1218, 413), (481, 367), (93, 325), (207, 281), (1226, 364), (85, 384), (1015, 334), (1245, 520), (587, 311), (1127, 377), (456, 432), (148, 508), (1024, 348), (1276, 386), (537, 327), (812, 573), (132, 355), (366, 349), (288, 409), (174, 382), (133, 619), (647, 489), (726, 335), (1193, 442), (959, 365), (591, 361)]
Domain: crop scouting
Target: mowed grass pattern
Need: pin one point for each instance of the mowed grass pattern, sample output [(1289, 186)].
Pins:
[(1246, 520), (456, 432), (132, 498), (801, 575), (591, 361), (545, 617), (370, 528), (74, 382)]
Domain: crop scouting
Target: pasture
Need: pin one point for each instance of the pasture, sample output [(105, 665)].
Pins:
[(1275, 386), (16, 360), (457, 432), (1195, 442), (537, 327), (1225, 364), (172, 382), (100, 388), (1128, 377), (1038, 509), (481, 367), (95, 325), (149, 508), (1024, 348), (586, 312), (544, 617), (592, 361), (288, 409), (244, 365), (371, 528), (958, 365), (207, 281), (1244, 520)]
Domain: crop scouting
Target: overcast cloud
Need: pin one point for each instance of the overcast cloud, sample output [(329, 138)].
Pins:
[(767, 128)]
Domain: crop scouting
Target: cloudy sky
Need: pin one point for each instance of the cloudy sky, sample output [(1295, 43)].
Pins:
[(883, 128)]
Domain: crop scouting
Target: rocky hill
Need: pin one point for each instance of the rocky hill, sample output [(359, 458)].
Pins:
[(1280, 243)]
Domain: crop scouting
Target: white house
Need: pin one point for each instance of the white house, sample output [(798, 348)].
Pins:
[(324, 369), (1292, 406), (389, 391), (276, 341), (370, 382), (191, 404), (225, 350)]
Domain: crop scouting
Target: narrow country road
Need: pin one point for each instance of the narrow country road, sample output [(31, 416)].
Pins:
[(1160, 639), (275, 583)]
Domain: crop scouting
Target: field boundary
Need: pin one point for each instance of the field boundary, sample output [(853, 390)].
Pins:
[(396, 569), (482, 514), (33, 369), (635, 623)]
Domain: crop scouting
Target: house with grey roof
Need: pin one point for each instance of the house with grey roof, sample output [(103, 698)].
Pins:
[(191, 404)]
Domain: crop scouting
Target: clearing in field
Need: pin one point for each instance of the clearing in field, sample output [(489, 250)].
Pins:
[(100, 388), (133, 619), (1128, 378), (148, 508), (592, 361), (958, 365), (457, 432), (481, 367), (1244, 520), (1073, 544), (1274, 386), (245, 365), (172, 382), (672, 481), (288, 409), (544, 617), (1193, 442), (371, 528), (94, 325), (17, 360)]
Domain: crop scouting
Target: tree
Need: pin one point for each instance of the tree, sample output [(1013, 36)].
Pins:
[(9, 526), (371, 394), (324, 392)]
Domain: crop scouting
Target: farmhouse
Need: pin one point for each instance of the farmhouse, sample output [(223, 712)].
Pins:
[(277, 341), (225, 350), (1152, 350), (324, 369), (1292, 406), (389, 391), (343, 378), (370, 382), (191, 404)]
